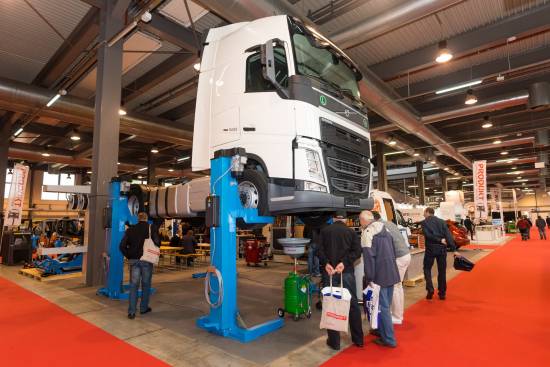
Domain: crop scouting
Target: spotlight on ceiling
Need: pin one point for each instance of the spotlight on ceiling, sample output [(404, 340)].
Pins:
[(75, 136), (504, 153), (444, 54), (486, 123), (470, 97), (154, 150), (416, 154), (19, 131), (392, 142), (497, 141), (170, 170), (122, 112), (197, 66)]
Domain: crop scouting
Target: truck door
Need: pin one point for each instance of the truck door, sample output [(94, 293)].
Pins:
[(267, 120)]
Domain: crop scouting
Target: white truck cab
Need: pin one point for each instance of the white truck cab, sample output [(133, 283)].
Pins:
[(290, 98)]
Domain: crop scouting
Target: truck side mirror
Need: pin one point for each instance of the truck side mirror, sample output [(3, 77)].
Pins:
[(268, 66)]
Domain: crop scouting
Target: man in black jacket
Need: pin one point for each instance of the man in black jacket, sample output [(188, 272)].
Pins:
[(438, 237), (339, 248), (131, 247)]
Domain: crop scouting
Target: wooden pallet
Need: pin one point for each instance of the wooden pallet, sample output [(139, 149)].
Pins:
[(413, 282), (37, 274)]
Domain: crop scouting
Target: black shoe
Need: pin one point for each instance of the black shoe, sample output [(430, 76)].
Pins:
[(375, 332), (430, 295), (333, 347), (382, 343), (359, 345), (149, 309), (442, 297), (131, 316)]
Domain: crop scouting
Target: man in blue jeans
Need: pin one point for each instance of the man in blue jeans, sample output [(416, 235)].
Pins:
[(380, 269), (141, 271)]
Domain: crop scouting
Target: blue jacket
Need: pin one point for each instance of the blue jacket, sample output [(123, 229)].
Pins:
[(379, 260)]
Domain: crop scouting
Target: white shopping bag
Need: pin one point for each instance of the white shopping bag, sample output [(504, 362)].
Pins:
[(336, 304), (151, 252), (371, 296)]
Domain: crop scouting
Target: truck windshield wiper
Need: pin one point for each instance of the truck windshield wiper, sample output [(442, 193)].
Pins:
[(336, 89)]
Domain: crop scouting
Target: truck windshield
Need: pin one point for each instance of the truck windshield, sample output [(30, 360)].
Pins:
[(316, 58)]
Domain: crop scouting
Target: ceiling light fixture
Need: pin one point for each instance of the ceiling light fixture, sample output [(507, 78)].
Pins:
[(470, 97), (394, 153), (170, 170), (497, 141), (75, 136), (504, 153), (392, 142), (183, 159), (61, 92), (456, 174), (197, 66), (122, 112), (514, 173), (154, 150), (458, 86), (487, 123), (500, 77), (416, 154), (118, 163), (19, 131), (523, 180), (142, 169), (89, 172), (444, 54)]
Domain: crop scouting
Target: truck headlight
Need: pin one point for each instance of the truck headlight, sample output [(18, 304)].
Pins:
[(312, 186), (315, 168)]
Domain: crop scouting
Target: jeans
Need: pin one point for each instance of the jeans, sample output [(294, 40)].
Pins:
[(542, 233), (429, 257), (140, 271), (313, 260), (355, 321), (385, 324)]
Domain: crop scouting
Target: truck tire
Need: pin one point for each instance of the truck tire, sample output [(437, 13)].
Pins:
[(253, 190)]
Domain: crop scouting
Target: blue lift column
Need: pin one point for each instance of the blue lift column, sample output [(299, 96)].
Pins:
[(120, 214), (222, 319)]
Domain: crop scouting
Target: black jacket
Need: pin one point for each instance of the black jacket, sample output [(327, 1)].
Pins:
[(339, 244), (131, 245), (189, 243), (435, 229), (468, 224)]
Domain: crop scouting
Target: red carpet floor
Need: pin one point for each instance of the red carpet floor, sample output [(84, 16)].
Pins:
[(35, 332), (480, 247), (497, 315)]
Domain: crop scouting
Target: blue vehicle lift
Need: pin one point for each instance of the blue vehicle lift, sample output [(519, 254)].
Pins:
[(119, 215), (222, 274)]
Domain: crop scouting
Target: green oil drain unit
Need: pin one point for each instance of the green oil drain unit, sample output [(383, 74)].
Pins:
[(297, 287)]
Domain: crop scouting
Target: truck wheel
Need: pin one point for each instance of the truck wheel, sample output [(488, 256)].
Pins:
[(253, 190)]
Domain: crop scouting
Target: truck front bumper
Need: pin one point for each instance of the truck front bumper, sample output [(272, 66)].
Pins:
[(287, 200)]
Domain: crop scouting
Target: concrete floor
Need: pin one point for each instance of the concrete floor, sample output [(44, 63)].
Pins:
[(169, 332)]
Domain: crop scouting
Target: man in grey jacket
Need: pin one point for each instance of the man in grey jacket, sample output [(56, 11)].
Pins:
[(381, 269), (403, 260)]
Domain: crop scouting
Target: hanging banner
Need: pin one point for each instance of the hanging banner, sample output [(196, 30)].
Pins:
[(515, 200), (17, 195), (480, 188)]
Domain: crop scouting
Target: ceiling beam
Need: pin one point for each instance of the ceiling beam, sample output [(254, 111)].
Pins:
[(75, 46), (181, 111), (481, 71), (172, 32), (479, 38), (168, 68)]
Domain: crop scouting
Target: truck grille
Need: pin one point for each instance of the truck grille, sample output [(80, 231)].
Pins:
[(349, 186), (348, 168)]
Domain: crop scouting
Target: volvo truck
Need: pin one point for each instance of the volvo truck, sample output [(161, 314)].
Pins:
[(290, 98)]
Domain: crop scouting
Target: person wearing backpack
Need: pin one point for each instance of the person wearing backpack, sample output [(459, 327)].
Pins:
[(141, 271), (381, 269)]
